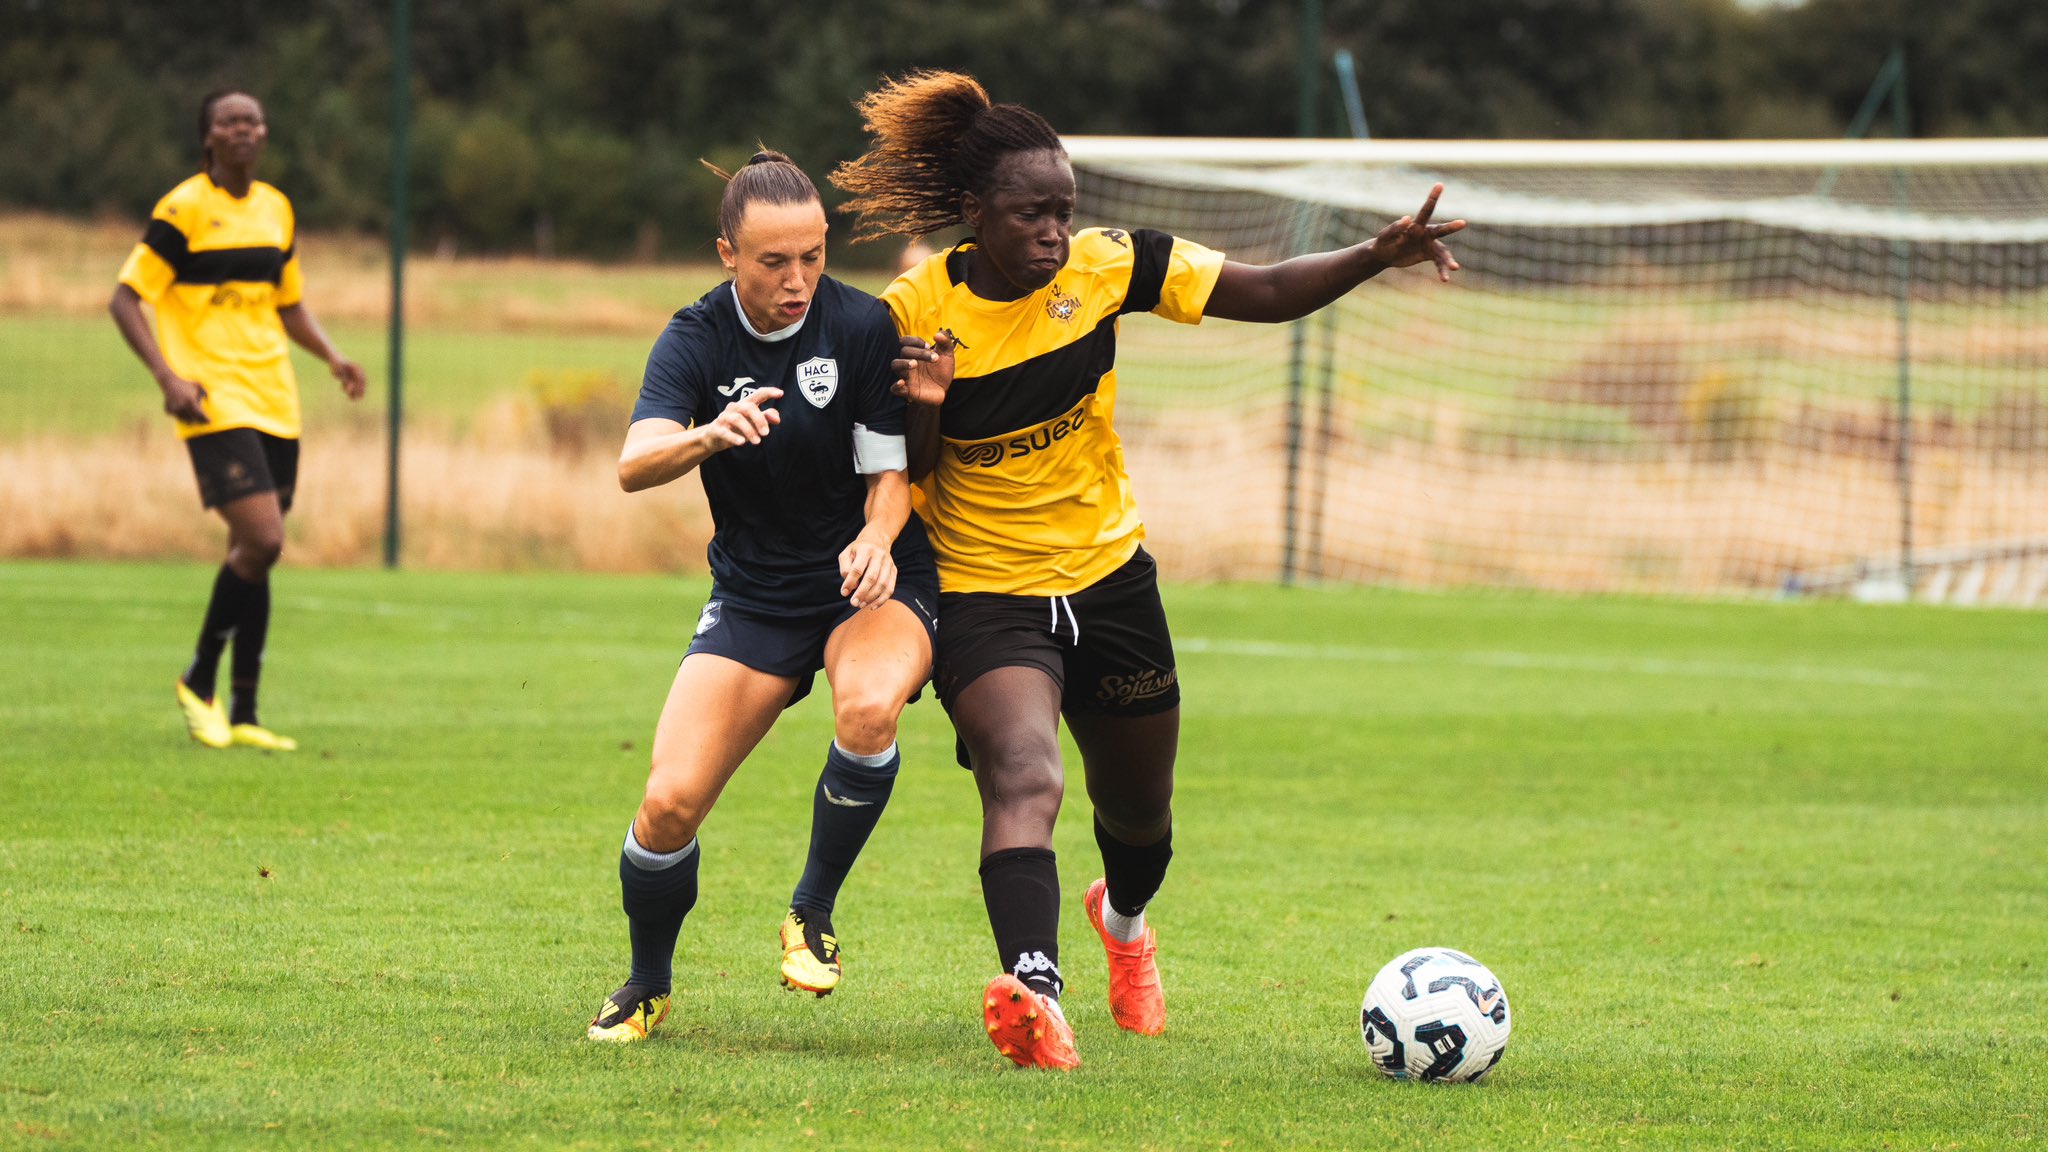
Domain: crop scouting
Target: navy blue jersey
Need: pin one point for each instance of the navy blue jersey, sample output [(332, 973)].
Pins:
[(782, 510)]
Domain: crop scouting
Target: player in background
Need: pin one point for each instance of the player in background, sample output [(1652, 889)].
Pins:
[(219, 261), (1051, 604), (776, 386)]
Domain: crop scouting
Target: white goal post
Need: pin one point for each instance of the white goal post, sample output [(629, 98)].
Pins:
[(1666, 367)]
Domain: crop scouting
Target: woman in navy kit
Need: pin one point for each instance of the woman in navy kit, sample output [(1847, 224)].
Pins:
[(775, 386)]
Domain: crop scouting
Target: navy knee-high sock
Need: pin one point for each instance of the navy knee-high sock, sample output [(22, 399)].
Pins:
[(658, 889), (852, 791), (1021, 887)]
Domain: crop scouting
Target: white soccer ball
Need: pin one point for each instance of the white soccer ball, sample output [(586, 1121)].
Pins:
[(1435, 1014)]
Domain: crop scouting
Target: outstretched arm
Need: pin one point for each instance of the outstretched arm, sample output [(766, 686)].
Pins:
[(305, 332), (1291, 289)]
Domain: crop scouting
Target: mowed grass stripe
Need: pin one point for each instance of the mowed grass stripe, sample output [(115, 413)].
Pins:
[(1732, 911)]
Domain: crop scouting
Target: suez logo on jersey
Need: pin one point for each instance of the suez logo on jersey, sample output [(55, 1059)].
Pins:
[(817, 379), (990, 453)]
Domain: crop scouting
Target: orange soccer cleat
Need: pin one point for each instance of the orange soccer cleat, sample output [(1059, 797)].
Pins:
[(1028, 1028), (1134, 996)]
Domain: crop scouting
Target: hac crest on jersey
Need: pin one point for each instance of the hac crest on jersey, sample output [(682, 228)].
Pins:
[(818, 378)]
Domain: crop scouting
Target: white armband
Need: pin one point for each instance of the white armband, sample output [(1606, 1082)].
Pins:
[(876, 452)]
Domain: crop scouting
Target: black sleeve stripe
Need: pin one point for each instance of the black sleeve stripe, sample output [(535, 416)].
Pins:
[(1151, 255), (243, 265), (166, 241)]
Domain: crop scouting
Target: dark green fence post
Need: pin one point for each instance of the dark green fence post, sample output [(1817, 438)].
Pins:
[(1902, 270), (1308, 69), (401, 180)]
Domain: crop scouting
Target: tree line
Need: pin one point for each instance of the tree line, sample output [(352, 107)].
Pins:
[(576, 126)]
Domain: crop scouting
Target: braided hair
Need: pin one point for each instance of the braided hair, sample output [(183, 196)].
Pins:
[(937, 137), (768, 177), (206, 121)]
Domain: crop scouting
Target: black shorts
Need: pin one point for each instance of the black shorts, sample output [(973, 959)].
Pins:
[(243, 462), (791, 642), (1106, 646)]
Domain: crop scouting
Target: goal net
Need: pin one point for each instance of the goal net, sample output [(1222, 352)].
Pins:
[(1665, 368)]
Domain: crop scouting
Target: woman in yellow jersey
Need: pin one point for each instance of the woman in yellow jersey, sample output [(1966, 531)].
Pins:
[(219, 263), (1049, 605)]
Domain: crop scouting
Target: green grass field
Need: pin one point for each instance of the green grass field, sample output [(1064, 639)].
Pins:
[(1755, 876)]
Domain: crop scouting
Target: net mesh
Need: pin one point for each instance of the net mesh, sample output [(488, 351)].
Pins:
[(1696, 378)]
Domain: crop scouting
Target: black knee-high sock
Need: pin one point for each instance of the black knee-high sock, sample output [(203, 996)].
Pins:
[(844, 809), (223, 612), (659, 889), (1021, 887), (1133, 872), (247, 668)]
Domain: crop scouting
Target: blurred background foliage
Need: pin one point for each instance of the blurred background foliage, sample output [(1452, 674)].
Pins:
[(575, 126)]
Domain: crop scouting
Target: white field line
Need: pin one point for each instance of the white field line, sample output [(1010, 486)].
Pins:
[(1552, 662), (442, 616)]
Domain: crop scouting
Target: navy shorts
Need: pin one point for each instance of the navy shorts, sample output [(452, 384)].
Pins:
[(243, 462), (1106, 646), (791, 642)]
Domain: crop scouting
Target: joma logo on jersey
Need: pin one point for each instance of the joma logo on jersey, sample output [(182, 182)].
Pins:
[(1060, 305), (818, 378), (990, 453), (1144, 686)]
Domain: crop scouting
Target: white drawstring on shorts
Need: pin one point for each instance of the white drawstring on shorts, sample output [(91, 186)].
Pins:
[(1073, 624)]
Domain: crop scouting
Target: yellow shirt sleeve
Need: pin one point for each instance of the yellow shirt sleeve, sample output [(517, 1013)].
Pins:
[(146, 272), (291, 281), (291, 284), (1191, 274)]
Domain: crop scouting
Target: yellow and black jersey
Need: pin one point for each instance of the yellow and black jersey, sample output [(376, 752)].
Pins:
[(217, 270), (1030, 495)]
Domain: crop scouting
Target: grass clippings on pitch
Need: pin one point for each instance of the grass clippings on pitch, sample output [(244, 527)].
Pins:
[(1755, 876)]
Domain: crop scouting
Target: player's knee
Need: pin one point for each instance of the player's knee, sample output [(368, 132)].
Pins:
[(255, 553), (865, 723), (1022, 777), (1136, 824), (672, 813)]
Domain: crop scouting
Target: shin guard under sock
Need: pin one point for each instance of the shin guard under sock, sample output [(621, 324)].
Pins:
[(658, 890), (1133, 872), (852, 791), (223, 612), (1021, 887)]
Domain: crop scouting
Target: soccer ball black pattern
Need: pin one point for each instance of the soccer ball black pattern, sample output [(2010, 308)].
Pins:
[(1435, 1014)]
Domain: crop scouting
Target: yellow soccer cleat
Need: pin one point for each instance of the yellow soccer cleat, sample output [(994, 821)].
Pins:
[(1134, 996), (204, 719), (257, 736), (810, 953), (1028, 1028), (629, 1015)]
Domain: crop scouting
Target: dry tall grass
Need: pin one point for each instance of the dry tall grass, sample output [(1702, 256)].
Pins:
[(1415, 513), (1436, 514), (467, 504)]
